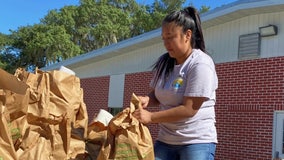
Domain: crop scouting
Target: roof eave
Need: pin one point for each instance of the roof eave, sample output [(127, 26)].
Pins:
[(239, 9), (119, 48)]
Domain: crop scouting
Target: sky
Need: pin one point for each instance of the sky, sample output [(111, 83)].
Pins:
[(19, 13)]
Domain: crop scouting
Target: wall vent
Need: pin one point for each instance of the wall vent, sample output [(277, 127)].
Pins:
[(249, 46)]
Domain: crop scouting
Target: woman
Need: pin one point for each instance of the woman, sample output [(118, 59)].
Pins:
[(184, 87)]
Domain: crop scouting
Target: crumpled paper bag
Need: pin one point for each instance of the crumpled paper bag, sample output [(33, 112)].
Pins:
[(46, 114), (127, 138)]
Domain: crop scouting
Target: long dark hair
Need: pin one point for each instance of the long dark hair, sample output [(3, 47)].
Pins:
[(188, 19)]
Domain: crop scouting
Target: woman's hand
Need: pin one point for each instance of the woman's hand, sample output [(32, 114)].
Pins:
[(143, 115), (144, 101)]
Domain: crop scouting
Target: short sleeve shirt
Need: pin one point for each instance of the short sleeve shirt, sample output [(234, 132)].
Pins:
[(196, 77)]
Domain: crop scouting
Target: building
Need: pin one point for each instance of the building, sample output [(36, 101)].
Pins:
[(245, 40)]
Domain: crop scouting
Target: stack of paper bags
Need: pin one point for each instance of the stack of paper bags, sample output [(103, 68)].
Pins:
[(43, 116)]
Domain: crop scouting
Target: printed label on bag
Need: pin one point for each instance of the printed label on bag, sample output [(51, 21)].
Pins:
[(15, 132), (126, 151)]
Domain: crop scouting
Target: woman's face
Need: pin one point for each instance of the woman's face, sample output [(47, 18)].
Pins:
[(176, 41)]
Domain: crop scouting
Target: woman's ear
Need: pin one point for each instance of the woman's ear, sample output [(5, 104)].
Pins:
[(188, 34)]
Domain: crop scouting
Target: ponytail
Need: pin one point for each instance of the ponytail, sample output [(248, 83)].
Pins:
[(198, 42)]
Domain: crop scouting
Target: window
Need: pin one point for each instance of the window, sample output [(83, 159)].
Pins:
[(249, 46)]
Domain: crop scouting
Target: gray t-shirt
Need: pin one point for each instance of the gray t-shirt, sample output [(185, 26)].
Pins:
[(196, 77)]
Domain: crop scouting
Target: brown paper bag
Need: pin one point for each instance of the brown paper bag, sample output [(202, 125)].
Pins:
[(10, 82), (42, 116), (97, 135), (59, 109), (127, 137), (7, 150), (13, 103)]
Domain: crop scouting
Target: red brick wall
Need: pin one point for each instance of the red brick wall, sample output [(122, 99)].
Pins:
[(137, 83), (249, 91), (95, 94)]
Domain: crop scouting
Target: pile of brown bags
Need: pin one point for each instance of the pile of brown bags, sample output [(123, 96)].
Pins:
[(43, 116)]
